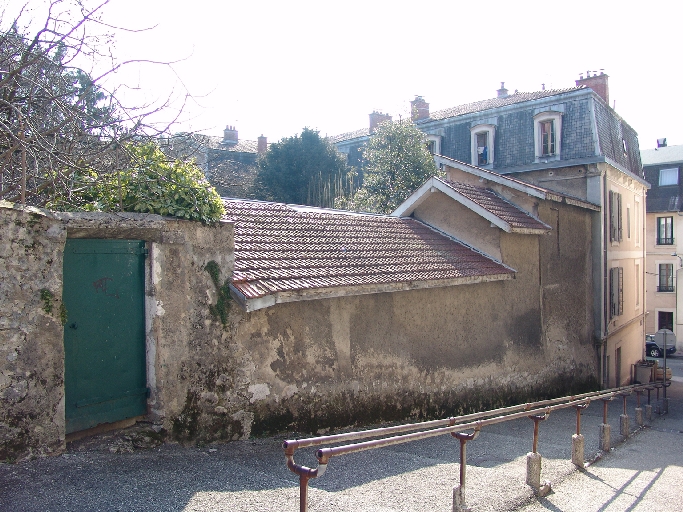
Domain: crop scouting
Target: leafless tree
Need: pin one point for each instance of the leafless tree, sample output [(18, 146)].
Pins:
[(58, 122)]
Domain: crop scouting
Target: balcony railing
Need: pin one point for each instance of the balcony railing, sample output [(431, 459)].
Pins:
[(665, 241), (665, 288)]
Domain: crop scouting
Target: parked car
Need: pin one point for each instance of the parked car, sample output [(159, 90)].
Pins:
[(654, 350)]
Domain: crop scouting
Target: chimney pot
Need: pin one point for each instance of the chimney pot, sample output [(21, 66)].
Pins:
[(262, 145), (661, 143), (230, 136), (376, 118), (599, 84), (502, 92), (419, 109)]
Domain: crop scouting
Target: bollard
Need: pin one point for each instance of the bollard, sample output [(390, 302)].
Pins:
[(623, 419), (648, 407), (577, 439), (533, 462), (605, 429), (639, 409), (459, 503)]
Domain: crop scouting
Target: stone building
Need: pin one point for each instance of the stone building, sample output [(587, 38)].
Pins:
[(230, 164), (664, 241), (572, 142)]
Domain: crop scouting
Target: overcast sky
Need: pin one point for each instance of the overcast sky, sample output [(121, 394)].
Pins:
[(274, 67)]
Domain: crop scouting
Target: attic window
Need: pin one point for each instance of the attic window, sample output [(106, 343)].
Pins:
[(482, 144), (548, 135), (623, 143), (668, 177)]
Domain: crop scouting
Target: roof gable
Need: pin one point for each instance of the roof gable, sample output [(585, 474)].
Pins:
[(483, 201)]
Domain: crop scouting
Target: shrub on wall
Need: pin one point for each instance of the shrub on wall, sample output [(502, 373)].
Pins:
[(149, 183)]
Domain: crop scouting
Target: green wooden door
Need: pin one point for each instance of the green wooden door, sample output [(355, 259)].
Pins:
[(104, 336)]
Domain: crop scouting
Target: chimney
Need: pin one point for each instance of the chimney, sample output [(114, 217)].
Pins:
[(596, 82), (229, 136), (502, 92), (262, 144), (661, 143), (419, 109), (376, 118)]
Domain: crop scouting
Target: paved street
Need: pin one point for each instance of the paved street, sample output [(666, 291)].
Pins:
[(644, 473)]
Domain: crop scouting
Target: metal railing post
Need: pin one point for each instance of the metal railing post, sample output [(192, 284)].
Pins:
[(639, 409), (459, 502), (578, 443), (605, 429), (533, 460), (623, 419)]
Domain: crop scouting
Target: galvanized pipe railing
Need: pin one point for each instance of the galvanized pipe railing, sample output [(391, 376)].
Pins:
[(456, 426)]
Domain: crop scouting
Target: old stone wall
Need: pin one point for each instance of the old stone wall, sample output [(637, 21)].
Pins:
[(183, 327), (31, 334)]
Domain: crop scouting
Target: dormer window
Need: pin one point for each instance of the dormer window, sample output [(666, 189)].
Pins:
[(434, 144), (482, 144), (668, 177), (548, 135)]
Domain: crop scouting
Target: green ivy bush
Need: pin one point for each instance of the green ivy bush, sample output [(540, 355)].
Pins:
[(149, 184)]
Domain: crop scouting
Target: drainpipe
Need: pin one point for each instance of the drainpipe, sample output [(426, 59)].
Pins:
[(605, 281)]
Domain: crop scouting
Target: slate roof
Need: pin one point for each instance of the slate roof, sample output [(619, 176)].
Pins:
[(468, 108), (665, 155), (486, 198), (290, 250), (479, 106)]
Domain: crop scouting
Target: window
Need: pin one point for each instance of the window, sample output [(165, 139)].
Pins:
[(665, 320), (615, 231), (482, 148), (666, 277), (616, 291), (434, 144), (637, 220), (482, 144), (638, 277), (665, 230), (628, 222), (547, 134), (547, 138), (668, 177)]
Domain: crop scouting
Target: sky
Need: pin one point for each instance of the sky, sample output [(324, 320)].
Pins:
[(274, 67)]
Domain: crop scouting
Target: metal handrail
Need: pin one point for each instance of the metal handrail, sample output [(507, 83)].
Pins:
[(537, 411)]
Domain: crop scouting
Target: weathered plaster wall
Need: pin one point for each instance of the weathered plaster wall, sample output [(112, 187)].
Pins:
[(443, 213), (31, 334), (420, 354)]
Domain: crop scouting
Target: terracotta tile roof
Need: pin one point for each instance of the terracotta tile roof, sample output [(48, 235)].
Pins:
[(517, 218), (284, 248), (468, 108)]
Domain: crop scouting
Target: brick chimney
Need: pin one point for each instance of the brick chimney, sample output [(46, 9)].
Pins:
[(419, 109), (596, 82), (262, 146), (229, 136), (502, 92), (376, 118)]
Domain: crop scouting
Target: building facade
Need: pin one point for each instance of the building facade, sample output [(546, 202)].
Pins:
[(662, 169), (572, 142)]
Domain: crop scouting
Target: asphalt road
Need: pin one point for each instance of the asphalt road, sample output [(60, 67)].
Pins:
[(251, 475)]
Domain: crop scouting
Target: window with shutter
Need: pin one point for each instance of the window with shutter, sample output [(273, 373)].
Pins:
[(616, 227), (616, 288)]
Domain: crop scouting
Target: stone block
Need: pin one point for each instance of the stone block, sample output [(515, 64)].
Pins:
[(623, 425), (578, 450), (605, 432)]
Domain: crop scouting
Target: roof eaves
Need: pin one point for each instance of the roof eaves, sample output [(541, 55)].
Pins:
[(348, 291)]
